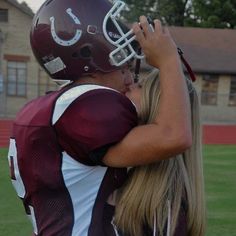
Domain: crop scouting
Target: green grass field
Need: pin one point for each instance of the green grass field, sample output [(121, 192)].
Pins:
[(220, 178)]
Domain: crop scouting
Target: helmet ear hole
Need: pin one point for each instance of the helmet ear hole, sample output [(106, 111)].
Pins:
[(85, 52), (76, 55)]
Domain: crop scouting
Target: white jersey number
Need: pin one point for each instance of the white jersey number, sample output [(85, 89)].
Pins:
[(15, 174), (17, 180)]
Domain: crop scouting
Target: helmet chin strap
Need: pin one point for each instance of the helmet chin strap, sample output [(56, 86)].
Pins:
[(187, 66), (137, 67)]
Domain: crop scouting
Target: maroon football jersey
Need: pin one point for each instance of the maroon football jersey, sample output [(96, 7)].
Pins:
[(54, 141)]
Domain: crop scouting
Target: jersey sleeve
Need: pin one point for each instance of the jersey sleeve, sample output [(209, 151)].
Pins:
[(93, 122)]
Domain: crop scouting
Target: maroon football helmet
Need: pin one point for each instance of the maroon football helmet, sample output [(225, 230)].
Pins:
[(72, 38)]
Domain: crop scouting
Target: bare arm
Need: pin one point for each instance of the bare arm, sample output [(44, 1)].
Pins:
[(170, 134)]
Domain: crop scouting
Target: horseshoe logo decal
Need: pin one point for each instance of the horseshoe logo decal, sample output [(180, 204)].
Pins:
[(66, 43)]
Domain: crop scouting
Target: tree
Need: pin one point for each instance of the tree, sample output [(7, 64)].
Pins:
[(171, 12), (199, 13), (174, 12), (137, 8), (214, 13)]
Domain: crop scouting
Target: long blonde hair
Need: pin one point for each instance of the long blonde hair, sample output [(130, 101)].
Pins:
[(144, 199)]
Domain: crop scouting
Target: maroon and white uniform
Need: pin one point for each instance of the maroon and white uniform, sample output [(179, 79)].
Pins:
[(55, 156)]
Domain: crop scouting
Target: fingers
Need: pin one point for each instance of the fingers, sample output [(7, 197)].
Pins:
[(144, 29), (145, 26), (158, 26), (166, 30), (139, 34)]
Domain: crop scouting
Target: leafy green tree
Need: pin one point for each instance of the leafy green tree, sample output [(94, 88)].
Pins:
[(174, 12), (214, 13), (171, 12), (199, 13), (137, 8)]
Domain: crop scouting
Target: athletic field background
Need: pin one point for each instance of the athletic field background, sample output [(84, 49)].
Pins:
[(220, 181)]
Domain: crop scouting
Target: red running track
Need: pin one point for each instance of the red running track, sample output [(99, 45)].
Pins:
[(219, 134), (212, 134), (5, 131)]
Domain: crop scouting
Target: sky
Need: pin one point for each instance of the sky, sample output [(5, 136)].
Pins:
[(33, 4)]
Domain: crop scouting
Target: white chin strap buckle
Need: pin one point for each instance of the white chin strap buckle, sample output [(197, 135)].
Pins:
[(124, 50)]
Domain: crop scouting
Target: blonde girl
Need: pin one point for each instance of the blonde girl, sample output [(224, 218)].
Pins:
[(167, 197)]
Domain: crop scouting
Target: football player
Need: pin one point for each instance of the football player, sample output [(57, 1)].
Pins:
[(70, 148)]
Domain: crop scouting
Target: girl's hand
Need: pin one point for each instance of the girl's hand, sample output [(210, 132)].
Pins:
[(158, 45)]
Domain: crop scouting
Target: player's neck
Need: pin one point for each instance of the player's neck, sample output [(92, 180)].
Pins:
[(93, 79)]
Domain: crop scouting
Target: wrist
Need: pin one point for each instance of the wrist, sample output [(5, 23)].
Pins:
[(172, 61)]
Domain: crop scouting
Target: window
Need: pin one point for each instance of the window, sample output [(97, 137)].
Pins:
[(16, 78), (209, 89), (45, 83), (3, 15), (232, 93)]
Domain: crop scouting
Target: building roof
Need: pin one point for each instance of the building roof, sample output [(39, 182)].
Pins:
[(207, 50), (22, 7)]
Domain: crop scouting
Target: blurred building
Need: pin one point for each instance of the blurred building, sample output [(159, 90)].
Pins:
[(21, 79), (212, 55), (210, 52)]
